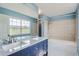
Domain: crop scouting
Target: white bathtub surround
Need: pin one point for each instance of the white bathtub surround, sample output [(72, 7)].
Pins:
[(61, 48)]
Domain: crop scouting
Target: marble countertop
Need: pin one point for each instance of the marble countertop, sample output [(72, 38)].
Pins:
[(12, 48)]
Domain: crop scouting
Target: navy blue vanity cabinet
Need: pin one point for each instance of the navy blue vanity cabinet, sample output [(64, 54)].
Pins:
[(40, 46), (33, 50)]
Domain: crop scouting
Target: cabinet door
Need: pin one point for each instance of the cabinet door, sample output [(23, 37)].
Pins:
[(25, 52), (40, 46), (45, 47), (34, 50)]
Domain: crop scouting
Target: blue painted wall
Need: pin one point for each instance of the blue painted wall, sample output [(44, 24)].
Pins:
[(15, 14), (69, 16)]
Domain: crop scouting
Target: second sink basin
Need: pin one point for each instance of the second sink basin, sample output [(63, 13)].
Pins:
[(10, 46)]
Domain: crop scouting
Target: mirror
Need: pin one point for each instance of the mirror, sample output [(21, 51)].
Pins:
[(13, 29)]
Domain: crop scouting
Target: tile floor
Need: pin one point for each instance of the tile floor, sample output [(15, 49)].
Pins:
[(61, 48)]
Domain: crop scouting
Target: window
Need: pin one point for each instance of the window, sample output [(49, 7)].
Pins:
[(25, 26), (19, 26)]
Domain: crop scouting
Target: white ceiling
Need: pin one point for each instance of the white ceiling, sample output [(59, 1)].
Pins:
[(54, 9), (49, 9)]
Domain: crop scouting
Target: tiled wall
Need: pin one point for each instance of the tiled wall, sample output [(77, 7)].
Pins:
[(64, 29)]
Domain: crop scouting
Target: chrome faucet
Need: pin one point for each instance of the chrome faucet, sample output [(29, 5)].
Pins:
[(11, 39)]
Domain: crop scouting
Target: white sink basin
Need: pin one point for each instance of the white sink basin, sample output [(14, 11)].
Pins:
[(36, 38), (26, 41), (10, 46), (16, 45)]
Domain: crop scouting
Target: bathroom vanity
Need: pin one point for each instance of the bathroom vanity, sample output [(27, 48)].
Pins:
[(37, 46)]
